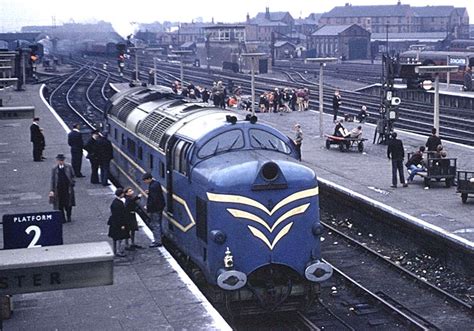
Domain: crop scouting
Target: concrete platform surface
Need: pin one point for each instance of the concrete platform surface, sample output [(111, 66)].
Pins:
[(150, 292)]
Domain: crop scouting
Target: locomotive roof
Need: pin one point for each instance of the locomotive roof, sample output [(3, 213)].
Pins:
[(156, 113)]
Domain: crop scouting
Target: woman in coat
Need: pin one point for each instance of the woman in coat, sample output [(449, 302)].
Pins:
[(131, 207), (118, 227), (61, 194)]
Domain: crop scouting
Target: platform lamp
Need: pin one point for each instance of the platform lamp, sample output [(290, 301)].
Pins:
[(253, 57), (436, 70), (182, 53), (322, 62)]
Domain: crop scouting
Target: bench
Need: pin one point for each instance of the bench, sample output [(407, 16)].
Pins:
[(345, 143), (465, 182)]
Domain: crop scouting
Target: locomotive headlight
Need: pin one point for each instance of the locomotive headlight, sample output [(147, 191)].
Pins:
[(317, 229), (218, 236)]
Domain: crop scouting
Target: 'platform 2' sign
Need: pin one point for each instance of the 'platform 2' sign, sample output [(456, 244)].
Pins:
[(32, 230)]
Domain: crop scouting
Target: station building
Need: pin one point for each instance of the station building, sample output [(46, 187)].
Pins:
[(346, 42)]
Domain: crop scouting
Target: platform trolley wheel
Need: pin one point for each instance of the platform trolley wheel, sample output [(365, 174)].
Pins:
[(426, 182), (341, 146), (449, 182), (328, 144), (464, 197), (360, 147)]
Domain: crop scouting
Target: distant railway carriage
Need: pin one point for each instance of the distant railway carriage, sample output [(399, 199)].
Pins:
[(240, 207), (462, 45), (461, 59)]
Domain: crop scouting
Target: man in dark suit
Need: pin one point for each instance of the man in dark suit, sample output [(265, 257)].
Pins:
[(37, 138), (74, 139), (154, 206), (396, 152), (106, 154), (93, 155)]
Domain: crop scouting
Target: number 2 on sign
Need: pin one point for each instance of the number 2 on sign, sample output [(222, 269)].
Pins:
[(36, 229)]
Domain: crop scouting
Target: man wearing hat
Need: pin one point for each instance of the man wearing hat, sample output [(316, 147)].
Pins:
[(61, 194)]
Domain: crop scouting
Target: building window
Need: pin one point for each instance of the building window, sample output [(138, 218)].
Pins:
[(123, 139), (115, 134)]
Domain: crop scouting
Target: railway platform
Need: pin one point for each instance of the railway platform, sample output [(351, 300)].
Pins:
[(150, 291), (366, 178)]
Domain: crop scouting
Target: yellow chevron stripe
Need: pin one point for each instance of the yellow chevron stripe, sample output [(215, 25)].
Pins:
[(295, 211), (257, 233), (251, 217), (251, 202)]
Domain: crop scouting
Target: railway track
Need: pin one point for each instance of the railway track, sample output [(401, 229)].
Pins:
[(418, 303), (81, 96)]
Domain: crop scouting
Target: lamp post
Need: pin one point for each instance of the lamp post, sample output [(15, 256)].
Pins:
[(322, 62), (436, 70), (253, 57), (181, 54)]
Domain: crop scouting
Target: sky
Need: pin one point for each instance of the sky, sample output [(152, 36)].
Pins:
[(16, 13)]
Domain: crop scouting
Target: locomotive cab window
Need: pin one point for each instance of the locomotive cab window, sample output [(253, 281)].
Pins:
[(260, 139), (224, 142), (180, 156)]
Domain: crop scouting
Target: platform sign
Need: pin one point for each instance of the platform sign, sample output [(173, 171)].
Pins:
[(55, 268), (32, 230)]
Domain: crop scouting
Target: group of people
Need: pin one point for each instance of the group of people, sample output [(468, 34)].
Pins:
[(123, 220), (416, 163), (285, 100)]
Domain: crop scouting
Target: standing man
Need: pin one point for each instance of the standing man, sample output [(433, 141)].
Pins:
[(336, 103), (74, 139), (37, 138), (92, 149), (61, 194), (105, 155), (298, 140), (396, 152), (154, 206), (432, 143)]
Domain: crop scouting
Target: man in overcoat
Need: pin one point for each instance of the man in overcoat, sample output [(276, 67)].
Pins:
[(74, 140), (37, 138), (61, 194)]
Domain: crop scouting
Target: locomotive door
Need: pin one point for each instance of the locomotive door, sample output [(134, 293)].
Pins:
[(169, 174)]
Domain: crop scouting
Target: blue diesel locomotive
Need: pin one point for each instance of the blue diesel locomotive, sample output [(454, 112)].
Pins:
[(239, 205)]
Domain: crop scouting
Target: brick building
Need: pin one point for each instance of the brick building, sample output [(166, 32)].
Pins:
[(348, 42), (401, 18)]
